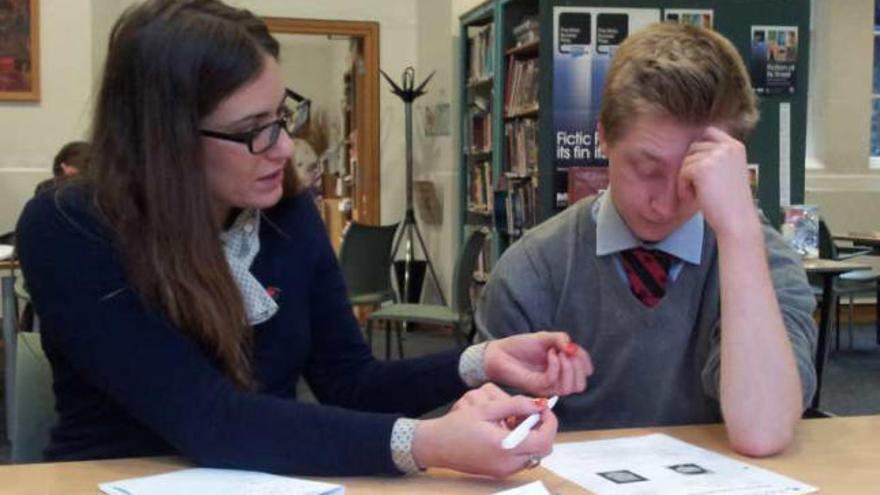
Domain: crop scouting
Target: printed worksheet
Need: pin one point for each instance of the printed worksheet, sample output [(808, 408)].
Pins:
[(659, 464), (533, 488), (218, 482)]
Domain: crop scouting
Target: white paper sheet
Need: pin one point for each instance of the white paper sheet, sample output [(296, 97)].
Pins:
[(533, 488), (218, 482), (6, 251), (659, 464)]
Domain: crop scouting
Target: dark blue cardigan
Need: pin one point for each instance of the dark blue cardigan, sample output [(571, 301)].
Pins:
[(128, 383)]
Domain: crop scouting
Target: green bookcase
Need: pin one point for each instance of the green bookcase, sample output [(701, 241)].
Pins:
[(733, 18), (477, 113)]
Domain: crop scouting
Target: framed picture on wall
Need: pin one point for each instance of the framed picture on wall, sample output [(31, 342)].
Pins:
[(19, 50)]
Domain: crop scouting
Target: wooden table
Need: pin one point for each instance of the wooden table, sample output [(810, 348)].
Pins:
[(838, 455), (828, 270), (869, 239)]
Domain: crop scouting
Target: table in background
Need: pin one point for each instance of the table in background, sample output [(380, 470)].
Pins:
[(838, 455), (828, 270), (867, 239)]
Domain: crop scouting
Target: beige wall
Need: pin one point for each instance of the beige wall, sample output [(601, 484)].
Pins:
[(104, 15), (33, 132), (435, 157), (839, 179)]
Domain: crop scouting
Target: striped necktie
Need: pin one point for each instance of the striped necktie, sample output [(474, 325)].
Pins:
[(647, 271)]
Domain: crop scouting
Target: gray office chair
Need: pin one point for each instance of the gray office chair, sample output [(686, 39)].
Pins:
[(851, 284), (365, 259), (459, 316), (33, 411)]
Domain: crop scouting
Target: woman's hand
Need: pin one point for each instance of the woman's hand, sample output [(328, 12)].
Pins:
[(468, 438), (542, 363)]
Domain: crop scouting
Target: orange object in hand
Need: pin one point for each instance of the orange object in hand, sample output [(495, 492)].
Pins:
[(511, 422), (570, 349)]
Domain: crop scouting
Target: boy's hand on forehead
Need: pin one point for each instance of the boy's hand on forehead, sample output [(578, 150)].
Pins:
[(714, 173)]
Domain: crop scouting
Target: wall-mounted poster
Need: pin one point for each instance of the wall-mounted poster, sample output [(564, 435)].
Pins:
[(691, 17), (436, 120), (584, 40), (773, 59), (19, 50)]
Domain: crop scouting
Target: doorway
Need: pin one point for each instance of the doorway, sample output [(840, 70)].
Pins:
[(336, 65)]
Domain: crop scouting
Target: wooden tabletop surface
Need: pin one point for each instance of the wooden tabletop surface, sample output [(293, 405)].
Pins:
[(838, 455), (834, 266), (869, 238), (8, 264)]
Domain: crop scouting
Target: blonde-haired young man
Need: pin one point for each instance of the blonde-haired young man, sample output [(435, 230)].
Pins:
[(692, 309)]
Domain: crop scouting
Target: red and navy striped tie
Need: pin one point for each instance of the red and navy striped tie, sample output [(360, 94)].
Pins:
[(647, 271)]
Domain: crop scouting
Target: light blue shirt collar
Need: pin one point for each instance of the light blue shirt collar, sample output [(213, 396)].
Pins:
[(613, 236)]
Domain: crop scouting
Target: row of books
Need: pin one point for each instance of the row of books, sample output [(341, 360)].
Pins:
[(521, 208), (480, 132), (521, 134), (521, 137), (521, 86), (480, 45), (480, 190), (527, 32)]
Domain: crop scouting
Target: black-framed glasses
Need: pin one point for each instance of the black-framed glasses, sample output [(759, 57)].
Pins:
[(258, 140)]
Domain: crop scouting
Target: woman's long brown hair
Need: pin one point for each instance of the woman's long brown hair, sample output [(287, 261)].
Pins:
[(170, 63)]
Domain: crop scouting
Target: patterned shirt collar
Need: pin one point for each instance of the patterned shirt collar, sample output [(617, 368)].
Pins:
[(241, 243)]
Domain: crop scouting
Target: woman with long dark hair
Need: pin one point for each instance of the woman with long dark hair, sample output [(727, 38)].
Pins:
[(184, 286)]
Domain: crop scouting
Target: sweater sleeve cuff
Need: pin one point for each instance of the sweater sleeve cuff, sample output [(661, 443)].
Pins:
[(470, 365), (402, 435)]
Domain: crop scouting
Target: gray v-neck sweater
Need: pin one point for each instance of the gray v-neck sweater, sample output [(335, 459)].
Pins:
[(653, 366)]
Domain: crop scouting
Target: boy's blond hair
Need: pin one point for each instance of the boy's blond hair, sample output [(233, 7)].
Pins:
[(692, 74)]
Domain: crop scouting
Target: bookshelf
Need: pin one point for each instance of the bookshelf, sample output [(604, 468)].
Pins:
[(479, 128), (520, 40), (525, 177), (499, 122)]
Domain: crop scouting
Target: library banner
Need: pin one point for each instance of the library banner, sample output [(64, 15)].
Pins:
[(773, 59), (584, 40)]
